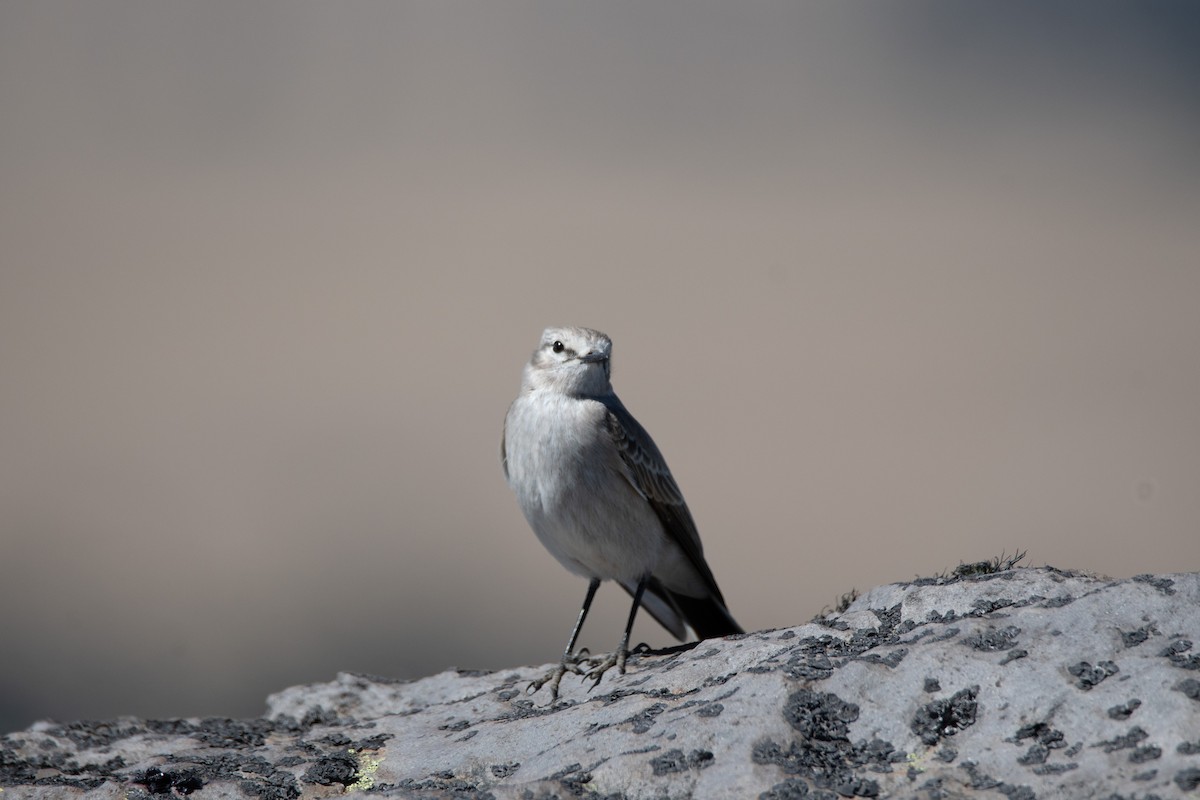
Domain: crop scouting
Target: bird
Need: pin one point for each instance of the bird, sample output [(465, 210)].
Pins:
[(599, 496)]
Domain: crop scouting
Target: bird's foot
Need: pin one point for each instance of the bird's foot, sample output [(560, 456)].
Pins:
[(603, 665), (554, 677)]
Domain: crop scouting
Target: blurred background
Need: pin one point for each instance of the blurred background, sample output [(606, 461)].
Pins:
[(894, 286)]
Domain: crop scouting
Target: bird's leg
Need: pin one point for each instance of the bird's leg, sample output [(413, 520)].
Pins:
[(618, 658), (570, 659)]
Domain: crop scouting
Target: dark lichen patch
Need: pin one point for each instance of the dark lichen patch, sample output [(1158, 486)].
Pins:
[(932, 685), (570, 769), (272, 788), (224, 732), (861, 642), (617, 695), (316, 715), (171, 727), (1187, 779), (823, 762), (934, 788), (809, 666), (441, 785), (1036, 754), (819, 715), (504, 770), (306, 747), (791, 789), (1135, 637), (946, 717), (89, 734), (718, 680), (338, 739), (1042, 733), (1188, 748), (575, 777), (1176, 647), (993, 639), (1164, 585), (1013, 655), (891, 660), (154, 779), (1190, 688), (1058, 602), (334, 768), (1046, 739), (644, 720), (813, 661), (709, 707), (15, 770), (675, 761), (1143, 754), (1125, 710), (823, 750), (158, 782), (947, 634), (888, 618), (217, 732), (253, 774), (983, 782), (371, 742), (1175, 653), (59, 766), (1090, 676), (1054, 769), (1124, 741), (982, 606)]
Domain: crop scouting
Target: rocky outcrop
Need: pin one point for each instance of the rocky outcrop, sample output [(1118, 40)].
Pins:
[(1018, 683)]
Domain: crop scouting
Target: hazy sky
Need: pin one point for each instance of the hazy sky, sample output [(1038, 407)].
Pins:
[(893, 286)]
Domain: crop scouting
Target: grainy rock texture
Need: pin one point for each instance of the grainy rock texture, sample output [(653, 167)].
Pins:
[(1019, 684)]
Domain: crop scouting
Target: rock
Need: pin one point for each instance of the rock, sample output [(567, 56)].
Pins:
[(1018, 683)]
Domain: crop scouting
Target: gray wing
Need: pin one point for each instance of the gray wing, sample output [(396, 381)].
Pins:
[(649, 475), (504, 442), (504, 451)]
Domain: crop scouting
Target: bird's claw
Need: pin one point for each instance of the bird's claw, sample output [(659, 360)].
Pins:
[(603, 665), (554, 677)]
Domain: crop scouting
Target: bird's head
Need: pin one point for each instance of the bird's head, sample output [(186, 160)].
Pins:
[(569, 360)]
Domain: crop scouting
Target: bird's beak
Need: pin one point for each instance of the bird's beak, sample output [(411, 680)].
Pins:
[(588, 358)]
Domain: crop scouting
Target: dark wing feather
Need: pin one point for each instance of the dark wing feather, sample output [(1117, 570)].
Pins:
[(504, 444), (503, 454), (650, 476)]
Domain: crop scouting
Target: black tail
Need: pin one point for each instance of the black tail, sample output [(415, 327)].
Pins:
[(707, 616)]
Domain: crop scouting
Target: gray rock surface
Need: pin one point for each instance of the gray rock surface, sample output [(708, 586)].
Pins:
[(1022, 683)]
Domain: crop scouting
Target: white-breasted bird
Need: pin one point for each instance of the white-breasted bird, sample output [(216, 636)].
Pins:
[(600, 497)]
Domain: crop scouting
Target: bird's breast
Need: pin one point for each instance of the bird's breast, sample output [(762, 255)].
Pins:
[(570, 484), (554, 447)]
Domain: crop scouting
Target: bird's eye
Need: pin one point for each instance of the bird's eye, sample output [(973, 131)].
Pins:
[(557, 347)]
